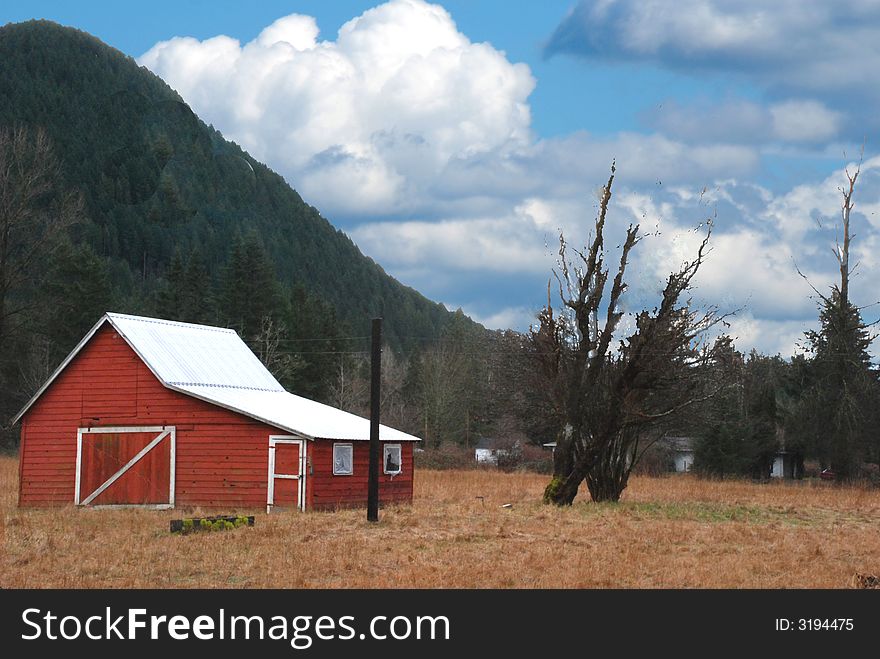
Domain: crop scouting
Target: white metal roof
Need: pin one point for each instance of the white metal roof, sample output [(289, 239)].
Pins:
[(215, 365), (183, 354), (296, 414)]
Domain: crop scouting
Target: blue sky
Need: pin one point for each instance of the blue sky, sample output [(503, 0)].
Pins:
[(452, 141)]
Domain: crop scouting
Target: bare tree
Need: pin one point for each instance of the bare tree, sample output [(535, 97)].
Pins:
[(349, 389), (395, 411), (605, 401), (283, 365), (842, 252), (443, 395), (36, 366), (35, 210)]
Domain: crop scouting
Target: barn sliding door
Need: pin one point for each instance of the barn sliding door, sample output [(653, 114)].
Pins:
[(287, 473), (125, 466)]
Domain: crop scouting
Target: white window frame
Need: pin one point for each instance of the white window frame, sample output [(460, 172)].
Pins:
[(274, 440), (164, 431), (350, 448), (385, 448)]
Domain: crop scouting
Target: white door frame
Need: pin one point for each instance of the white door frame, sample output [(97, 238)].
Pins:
[(164, 431), (274, 440)]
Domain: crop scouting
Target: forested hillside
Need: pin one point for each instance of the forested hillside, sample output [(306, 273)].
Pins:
[(146, 209)]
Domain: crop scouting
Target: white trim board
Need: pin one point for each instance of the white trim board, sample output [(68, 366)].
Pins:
[(385, 459), (164, 431)]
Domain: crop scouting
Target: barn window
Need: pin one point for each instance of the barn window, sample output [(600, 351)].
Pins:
[(343, 462), (392, 459)]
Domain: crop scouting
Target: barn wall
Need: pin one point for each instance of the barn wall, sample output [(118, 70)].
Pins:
[(221, 457), (326, 491)]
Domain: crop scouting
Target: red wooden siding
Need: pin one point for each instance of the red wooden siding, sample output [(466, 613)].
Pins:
[(145, 482), (326, 491), (221, 456)]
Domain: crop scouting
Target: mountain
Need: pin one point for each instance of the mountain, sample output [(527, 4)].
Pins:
[(156, 181)]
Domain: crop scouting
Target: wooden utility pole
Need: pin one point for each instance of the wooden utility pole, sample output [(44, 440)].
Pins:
[(375, 383)]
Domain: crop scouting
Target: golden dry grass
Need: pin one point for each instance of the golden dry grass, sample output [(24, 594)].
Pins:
[(676, 532)]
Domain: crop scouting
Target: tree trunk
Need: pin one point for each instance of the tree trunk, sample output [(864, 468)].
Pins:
[(609, 475), (604, 486), (567, 475), (561, 491)]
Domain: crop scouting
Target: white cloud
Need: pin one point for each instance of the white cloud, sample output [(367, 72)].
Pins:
[(504, 318), (743, 121), (502, 245), (361, 123), (812, 207), (804, 121), (403, 115), (782, 337), (759, 241), (299, 32)]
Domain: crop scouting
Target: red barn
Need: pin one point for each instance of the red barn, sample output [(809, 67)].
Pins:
[(149, 412)]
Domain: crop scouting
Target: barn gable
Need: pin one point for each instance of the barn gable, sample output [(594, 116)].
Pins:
[(214, 365)]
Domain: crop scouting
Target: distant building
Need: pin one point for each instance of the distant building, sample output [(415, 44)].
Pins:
[(784, 465), (682, 450), (489, 451), (485, 452), (682, 454)]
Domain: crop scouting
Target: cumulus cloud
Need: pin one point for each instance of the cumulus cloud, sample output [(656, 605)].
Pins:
[(760, 240), (383, 108), (406, 115), (799, 121)]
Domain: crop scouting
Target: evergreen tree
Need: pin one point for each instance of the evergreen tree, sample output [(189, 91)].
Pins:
[(198, 299), (315, 336), (250, 289), (719, 451), (76, 294), (738, 430), (169, 299), (842, 391)]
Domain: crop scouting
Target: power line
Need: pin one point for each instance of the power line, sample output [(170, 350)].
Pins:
[(334, 338)]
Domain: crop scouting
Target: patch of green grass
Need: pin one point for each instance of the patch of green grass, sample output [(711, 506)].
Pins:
[(699, 511), (694, 511)]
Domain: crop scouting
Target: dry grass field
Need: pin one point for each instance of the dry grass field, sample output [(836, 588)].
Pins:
[(675, 532)]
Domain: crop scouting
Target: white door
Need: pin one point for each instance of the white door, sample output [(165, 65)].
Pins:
[(287, 473)]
